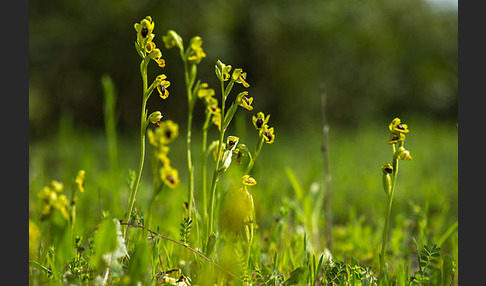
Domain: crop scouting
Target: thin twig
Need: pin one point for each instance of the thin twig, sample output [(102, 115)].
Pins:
[(184, 245)]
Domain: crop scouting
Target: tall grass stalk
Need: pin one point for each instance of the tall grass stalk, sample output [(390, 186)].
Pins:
[(258, 148), (109, 96), (326, 196)]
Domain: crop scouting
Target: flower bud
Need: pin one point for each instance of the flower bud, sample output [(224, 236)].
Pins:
[(222, 70), (196, 52), (172, 39), (155, 117), (403, 154), (387, 182)]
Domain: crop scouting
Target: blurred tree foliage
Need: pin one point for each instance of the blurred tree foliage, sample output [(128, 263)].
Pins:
[(378, 59)]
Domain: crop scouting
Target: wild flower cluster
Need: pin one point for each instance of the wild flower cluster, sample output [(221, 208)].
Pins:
[(236, 213), (160, 138), (59, 215), (53, 198)]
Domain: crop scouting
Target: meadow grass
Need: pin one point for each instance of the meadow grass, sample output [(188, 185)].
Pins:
[(425, 203), (81, 229)]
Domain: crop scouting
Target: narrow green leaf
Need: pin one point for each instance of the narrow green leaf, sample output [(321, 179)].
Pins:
[(295, 183), (229, 115), (417, 250), (448, 233), (210, 245), (447, 271)]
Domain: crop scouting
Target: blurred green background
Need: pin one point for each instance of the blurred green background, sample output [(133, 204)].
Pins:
[(377, 59)]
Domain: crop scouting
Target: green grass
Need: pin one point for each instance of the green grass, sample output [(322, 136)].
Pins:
[(424, 207)]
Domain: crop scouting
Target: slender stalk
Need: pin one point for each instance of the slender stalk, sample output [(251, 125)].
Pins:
[(139, 173), (204, 167), (190, 76), (190, 165), (213, 184), (250, 241), (143, 125), (258, 148), (387, 214), (215, 173), (327, 173)]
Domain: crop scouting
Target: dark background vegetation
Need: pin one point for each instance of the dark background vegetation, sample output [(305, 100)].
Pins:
[(377, 59)]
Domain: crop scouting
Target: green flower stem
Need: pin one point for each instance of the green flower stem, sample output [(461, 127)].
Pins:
[(250, 241), (190, 102), (190, 165), (388, 211), (190, 76), (204, 162), (216, 168), (143, 127), (190, 169), (258, 148)]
